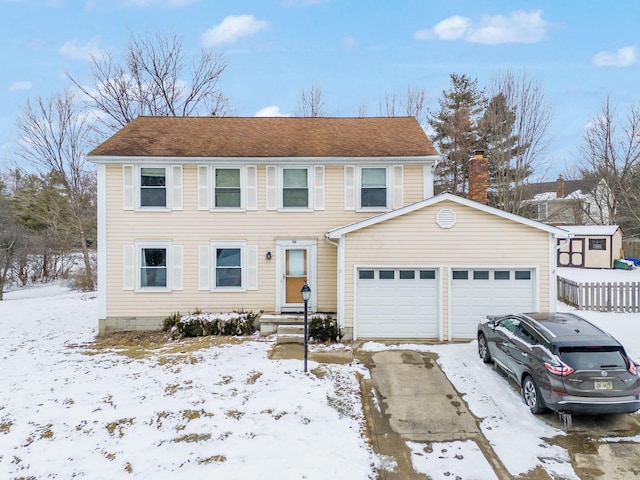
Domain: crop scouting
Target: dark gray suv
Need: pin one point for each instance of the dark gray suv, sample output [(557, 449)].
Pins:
[(562, 362)]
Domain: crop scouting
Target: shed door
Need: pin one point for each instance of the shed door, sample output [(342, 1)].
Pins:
[(396, 303), (571, 255), (476, 293)]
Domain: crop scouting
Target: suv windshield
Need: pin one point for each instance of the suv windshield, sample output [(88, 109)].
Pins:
[(593, 358)]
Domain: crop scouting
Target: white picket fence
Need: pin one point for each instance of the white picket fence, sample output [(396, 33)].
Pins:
[(602, 297)]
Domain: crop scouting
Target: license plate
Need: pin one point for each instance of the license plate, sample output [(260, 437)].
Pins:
[(604, 385)]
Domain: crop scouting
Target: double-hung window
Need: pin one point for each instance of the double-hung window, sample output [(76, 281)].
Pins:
[(153, 267), (229, 264), (597, 244), (153, 187), (373, 187), (227, 188), (295, 188)]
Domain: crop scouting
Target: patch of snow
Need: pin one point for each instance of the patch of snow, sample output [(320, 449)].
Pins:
[(461, 459)]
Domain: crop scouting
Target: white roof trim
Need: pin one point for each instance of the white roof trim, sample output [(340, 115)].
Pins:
[(591, 230), (346, 229), (121, 160)]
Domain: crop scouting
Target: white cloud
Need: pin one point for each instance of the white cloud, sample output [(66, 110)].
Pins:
[(21, 85), (271, 111), (232, 28), (518, 27), (73, 50), (452, 28), (623, 57)]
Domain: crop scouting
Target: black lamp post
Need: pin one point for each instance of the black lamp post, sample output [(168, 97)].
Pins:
[(306, 293)]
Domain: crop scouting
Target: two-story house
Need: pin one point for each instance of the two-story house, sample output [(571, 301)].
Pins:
[(223, 214)]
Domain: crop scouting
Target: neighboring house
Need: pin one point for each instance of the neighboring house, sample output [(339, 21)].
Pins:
[(569, 202), (224, 214), (591, 246)]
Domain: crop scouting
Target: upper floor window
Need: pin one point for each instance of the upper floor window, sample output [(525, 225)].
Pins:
[(295, 188), (373, 187), (542, 211), (153, 187), (227, 187)]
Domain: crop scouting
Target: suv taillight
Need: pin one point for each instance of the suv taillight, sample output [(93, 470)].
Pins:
[(560, 368), (633, 368)]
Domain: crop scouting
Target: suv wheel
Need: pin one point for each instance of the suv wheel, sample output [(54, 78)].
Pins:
[(531, 395), (483, 349)]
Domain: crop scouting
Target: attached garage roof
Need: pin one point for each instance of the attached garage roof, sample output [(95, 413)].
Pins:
[(268, 137), (346, 229)]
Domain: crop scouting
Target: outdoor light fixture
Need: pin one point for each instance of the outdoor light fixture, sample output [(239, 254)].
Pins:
[(268, 255), (306, 293)]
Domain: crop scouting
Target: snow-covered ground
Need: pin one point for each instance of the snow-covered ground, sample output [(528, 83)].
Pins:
[(68, 410)]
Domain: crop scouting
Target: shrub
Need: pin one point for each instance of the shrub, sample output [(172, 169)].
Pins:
[(324, 329), (200, 324)]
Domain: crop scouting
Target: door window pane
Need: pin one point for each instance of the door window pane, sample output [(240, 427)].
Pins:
[(373, 188), (523, 275), (227, 191), (502, 275), (295, 191), (153, 268), (387, 274), (296, 266), (153, 187), (228, 267), (481, 275), (427, 274), (407, 274), (460, 275), (365, 274)]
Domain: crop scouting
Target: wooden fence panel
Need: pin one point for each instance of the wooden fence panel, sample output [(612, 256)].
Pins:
[(600, 296)]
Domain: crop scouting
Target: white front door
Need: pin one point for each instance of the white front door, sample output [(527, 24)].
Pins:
[(296, 265)]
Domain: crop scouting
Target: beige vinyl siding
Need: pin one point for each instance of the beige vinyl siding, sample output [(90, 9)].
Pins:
[(191, 227), (477, 239), (413, 184)]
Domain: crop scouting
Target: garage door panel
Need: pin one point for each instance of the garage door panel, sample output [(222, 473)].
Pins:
[(502, 291), (402, 307)]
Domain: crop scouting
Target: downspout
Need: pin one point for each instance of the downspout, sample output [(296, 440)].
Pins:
[(340, 282)]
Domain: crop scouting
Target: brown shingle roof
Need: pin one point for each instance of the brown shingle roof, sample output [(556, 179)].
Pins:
[(268, 137)]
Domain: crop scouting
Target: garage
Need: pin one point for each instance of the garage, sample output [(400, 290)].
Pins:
[(478, 292), (397, 303)]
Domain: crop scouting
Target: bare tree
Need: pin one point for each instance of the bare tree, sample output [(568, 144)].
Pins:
[(153, 79), (311, 103), (412, 104), (514, 131), (55, 137), (611, 158)]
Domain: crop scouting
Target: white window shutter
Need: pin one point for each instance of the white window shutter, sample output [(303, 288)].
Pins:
[(177, 261), (203, 267), (349, 188), (398, 186), (128, 187), (176, 187), (252, 267), (252, 188), (203, 187), (318, 187), (272, 187), (129, 267)]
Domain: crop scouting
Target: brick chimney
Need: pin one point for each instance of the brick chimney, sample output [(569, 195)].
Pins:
[(560, 187), (478, 172)]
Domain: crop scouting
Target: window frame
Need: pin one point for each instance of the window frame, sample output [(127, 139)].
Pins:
[(602, 242), (281, 188), (543, 211), (231, 244), (243, 188), (359, 188), (168, 182), (139, 247)]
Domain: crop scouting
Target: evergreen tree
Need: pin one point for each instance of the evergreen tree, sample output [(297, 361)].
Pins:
[(456, 132)]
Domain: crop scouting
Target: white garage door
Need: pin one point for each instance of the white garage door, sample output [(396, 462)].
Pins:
[(476, 293), (396, 303)]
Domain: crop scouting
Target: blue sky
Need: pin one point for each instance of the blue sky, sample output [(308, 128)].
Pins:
[(354, 51)]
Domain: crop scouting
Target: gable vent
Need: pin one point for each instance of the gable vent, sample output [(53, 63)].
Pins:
[(446, 218)]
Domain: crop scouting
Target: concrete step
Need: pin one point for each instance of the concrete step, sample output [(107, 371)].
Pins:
[(290, 334)]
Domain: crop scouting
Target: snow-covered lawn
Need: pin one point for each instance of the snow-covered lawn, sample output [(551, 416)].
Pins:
[(222, 411), (203, 410)]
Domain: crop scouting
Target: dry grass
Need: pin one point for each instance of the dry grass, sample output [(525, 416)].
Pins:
[(141, 344)]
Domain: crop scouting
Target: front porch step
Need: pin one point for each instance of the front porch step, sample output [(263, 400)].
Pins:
[(290, 334), (269, 322)]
